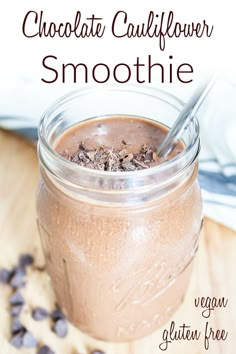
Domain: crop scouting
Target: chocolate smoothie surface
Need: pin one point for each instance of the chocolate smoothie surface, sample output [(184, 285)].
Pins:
[(115, 143)]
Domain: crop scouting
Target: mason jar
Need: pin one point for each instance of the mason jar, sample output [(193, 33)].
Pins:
[(119, 246)]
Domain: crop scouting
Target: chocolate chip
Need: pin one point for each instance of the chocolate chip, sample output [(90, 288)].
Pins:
[(18, 269), (17, 280), (57, 315), (39, 314), (26, 260), (17, 339), (97, 352), (60, 328), (45, 350), (16, 299), (5, 276), (16, 326), (16, 310), (29, 341)]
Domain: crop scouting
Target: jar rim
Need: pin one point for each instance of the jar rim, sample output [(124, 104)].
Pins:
[(168, 98)]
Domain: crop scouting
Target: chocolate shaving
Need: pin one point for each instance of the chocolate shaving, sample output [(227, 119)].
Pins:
[(81, 146), (114, 160)]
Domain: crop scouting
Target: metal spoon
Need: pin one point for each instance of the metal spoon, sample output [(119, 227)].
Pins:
[(184, 118)]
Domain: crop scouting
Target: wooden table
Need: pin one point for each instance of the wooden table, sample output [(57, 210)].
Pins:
[(214, 271)]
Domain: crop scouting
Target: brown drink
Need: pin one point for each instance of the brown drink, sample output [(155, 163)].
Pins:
[(118, 249)]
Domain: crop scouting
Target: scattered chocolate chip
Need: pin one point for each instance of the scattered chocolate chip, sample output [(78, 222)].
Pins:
[(122, 153), (91, 155), (124, 142), (17, 340), (5, 276), (39, 314), (26, 260), (29, 341), (149, 156), (97, 352), (128, 158), (16, 299), (17, 280), (45, 350), (140, 163), (60, 328), (16, 326), (16, 310), (57, 315)]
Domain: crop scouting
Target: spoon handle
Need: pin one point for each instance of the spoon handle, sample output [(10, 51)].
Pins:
[(184, 118)]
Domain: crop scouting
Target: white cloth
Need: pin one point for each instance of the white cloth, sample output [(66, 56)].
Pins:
[(217, 172)]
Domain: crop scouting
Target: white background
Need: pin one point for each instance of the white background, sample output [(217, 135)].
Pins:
[(23, 93)]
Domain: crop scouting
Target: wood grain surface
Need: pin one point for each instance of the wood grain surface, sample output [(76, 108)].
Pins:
[(213, 275)]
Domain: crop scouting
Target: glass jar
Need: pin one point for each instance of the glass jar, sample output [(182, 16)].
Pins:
[(119, 259)]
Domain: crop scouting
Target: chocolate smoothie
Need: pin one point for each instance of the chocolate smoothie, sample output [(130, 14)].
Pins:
[(125, 139), (119, 270)]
